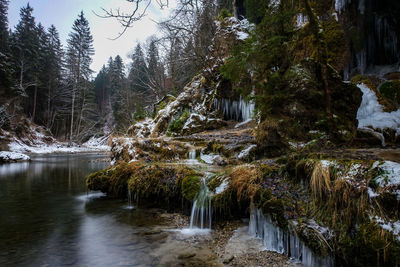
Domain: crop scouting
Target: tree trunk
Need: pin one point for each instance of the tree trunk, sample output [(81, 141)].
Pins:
[(72, 115), (34, 103)]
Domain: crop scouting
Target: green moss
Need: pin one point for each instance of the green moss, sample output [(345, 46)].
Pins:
[(177, 124), (369, 245), (391, 91), (276, 209), (190, 187), (98, 181)]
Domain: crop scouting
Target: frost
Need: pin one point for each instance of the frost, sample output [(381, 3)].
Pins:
[(372, 193), (12, 156)]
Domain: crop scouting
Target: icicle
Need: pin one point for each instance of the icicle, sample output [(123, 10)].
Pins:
[(281, 241)]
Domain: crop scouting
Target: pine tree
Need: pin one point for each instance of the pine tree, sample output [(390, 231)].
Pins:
[(79, 58), (5, 66), (138, 77), (52, 80), (155, 71), (25, 50)]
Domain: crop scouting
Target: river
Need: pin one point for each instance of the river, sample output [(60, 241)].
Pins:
[(48, 219)]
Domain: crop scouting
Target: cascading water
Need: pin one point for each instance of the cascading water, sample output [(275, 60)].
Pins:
[(201, 211), (285, 242), (130, 205)]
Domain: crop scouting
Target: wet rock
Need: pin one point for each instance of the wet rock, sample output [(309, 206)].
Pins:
[(228, 259), (186, 255)]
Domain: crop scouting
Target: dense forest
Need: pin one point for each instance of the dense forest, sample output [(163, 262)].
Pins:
[(54, 87)]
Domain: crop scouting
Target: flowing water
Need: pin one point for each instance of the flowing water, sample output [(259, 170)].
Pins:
[(48, 219), (201, 211)]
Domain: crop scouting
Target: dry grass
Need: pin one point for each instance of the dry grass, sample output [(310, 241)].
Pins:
[(320, 182), (246, 181)]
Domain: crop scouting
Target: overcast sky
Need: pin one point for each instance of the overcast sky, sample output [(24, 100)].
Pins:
[(62, 14)]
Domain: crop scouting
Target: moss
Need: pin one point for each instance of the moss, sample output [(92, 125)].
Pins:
[(177, 124), (190, 187), (276, 209), (98, 181), (391, 91), (369, 245)]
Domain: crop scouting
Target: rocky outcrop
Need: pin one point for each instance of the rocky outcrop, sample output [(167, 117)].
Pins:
[(200, 95)]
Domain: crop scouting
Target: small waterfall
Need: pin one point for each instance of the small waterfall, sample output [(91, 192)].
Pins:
[(192, 157), (201, 211), (130, 205), (284, 242)]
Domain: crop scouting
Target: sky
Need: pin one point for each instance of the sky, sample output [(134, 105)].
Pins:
[(62, 13)]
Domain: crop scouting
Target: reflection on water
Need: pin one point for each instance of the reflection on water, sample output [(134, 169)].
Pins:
[(48, 219)]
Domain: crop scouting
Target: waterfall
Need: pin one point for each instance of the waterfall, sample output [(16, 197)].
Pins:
[(130, 205), (201, 210), (282, 241), (192, 157), (238, 110)]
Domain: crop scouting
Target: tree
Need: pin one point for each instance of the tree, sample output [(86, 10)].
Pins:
[(79, 58), (52, 77), (156, 72), (25, 50), (5, 66)]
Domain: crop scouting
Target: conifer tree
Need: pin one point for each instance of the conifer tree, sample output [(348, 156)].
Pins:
[(25, 50), (79, 57), (5, 66)]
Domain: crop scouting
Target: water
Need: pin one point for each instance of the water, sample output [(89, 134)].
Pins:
[(48, 219), (284, 242), (201, 211)]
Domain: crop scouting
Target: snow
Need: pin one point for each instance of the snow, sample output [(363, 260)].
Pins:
[(57, 147), (242, 35), (393, 227), (371, 114), (391, 174), (244, 153), (208, 158), (371, 193), (222, 187), (12, 156)]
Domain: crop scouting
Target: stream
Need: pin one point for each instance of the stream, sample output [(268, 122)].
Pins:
[(48, 219)]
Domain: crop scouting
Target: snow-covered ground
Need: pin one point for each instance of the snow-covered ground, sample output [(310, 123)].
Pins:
[(40, 147), (7, 156)]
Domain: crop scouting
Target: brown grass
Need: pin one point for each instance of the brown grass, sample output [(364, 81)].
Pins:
[(246, 181), (320, 182)]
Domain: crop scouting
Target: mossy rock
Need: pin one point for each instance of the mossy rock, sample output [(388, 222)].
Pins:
[(276, 209), (190, 186), (391, 91)]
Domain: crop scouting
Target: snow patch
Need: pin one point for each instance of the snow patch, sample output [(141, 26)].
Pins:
[(393, 227), (222, 187), (390, 175), (8, 156), (208, 158), (245, 152)]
